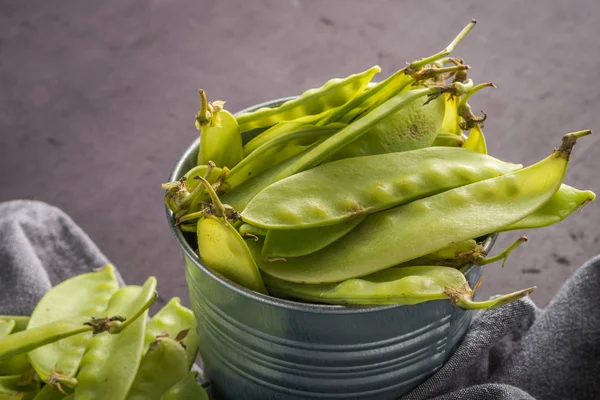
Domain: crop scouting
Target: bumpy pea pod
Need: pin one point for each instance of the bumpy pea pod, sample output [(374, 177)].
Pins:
[(464, 254), (276, 151), (220, 139), (222, 249), (564, 202), (403, 233), (446, 139), (295, 243), (406, 285), (412, 127), (110, 362), (185, 389), (170, 320), (345, 189), (163, 365), (395, 84), (332, 94), (80, 296)]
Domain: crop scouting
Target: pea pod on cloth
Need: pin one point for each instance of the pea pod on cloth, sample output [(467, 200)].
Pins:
[(186, 389), (110, 362), (170, 320), (405, 285), (220, 139), (163, 365), (80, 296), (345, 189), (564, 202), (397, 235), (333, 93)]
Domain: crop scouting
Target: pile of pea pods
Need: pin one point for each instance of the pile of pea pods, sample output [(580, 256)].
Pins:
[(88, 338), (363, 193)]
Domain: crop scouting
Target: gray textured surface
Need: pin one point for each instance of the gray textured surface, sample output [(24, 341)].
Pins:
[(97, 101)]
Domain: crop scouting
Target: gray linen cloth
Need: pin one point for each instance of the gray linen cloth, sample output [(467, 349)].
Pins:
[(517, 351)]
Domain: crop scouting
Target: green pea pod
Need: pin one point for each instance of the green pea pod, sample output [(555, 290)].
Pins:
[(273, 132), (464, 254), (451, 123), (223, 250), (344, 189), (163, 365), (276, 151), (80, 296), (14, 385), (185, 389), (110, 362), (406, 285), (241, 195), (49, 392), (564, 202), (211, 175), (295, 243), (19, 320), (394, 236), (170, 320), (220, 139), (352, 132), (333, 93), (476, 141), (412, 127), (6, 327), (251, 230), (448, 140)]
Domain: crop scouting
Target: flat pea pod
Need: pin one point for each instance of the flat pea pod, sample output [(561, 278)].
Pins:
[(412, 127), (241, 195), (406, 285), (223, 250), (476, 141), (564, 202), (186, 389), (295, 243), (355, 130), (403, 233), (334, 192), (80, 296), (171, 320), (110, 362), (273, 132), (6, 327), (163, 365), (448, 140), (276, 151), (20, 321), (333, 93), (220, 139)]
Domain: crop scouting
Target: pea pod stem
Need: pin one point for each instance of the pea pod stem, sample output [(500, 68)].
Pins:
[(464, 298), (503, 255), (446, 52)]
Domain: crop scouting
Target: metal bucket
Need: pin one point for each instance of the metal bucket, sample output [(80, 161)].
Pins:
[(256, 347)]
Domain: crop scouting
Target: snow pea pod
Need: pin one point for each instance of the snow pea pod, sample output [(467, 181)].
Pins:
[(294, 243), (448, 140), (185, 389), (220, 139), (276, 151), (564, 202), (16, 385), (6, 327), (170, 320), (163, 365), (80, 296), (476, 141), (400, 234), (412, 127), (49, 392), (276, 130), (251, 230), (405, 285), (333, 93), (110, 362), (223, 250), (344, 189)]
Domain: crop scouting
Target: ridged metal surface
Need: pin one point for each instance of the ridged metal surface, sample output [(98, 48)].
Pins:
[(263, 348)]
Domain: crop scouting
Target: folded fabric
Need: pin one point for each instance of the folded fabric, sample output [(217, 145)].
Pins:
[(517, 351)]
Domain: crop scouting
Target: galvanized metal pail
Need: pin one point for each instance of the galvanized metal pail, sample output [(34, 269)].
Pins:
[(256, 347)]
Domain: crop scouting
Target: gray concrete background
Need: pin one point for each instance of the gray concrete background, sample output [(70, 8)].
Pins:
[(97, 101)]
